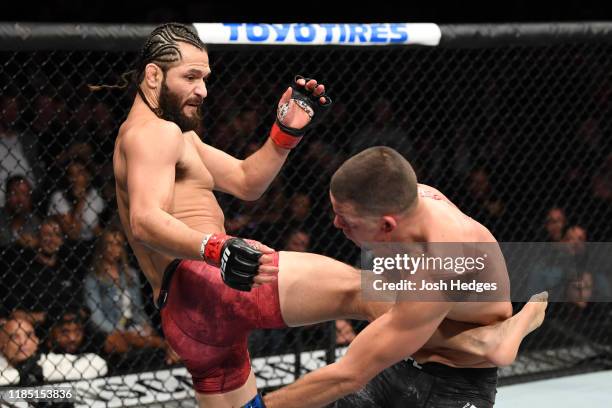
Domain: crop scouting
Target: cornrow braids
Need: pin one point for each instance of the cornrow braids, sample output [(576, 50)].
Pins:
[(162, 49), (162, 46)]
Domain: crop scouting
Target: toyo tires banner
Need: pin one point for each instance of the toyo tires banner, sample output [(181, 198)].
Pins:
[(320, 34)]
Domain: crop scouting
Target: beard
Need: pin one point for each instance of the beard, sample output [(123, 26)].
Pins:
[(172, 110)]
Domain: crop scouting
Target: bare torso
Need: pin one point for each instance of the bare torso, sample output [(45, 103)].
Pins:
[(192, 201), (449, 224)]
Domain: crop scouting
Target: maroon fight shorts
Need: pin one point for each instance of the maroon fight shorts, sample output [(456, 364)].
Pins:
[(207, 323)]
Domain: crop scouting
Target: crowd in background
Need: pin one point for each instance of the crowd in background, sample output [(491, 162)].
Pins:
[(75, 305)]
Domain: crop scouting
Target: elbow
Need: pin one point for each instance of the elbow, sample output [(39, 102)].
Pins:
[(138, 227), (252, 195), (250, 191)]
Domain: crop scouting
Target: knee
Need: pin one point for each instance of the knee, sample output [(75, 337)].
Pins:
[(357, 308)]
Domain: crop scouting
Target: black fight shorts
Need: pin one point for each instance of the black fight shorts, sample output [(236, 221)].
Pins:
[(430, 385)]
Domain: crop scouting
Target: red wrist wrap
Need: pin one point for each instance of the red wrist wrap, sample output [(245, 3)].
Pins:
[(212, 251), (283, 139)]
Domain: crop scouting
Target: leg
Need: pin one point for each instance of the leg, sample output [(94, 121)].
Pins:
[(314, 288), (231, 399), (497, 343)]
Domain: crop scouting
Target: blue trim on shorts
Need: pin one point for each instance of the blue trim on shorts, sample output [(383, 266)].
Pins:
[(256, 402)]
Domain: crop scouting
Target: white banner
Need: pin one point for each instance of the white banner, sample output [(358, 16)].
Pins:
[(174, 385), (320, 34)]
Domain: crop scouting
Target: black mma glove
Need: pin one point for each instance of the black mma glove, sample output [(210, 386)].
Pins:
[(239, 262), (288, 137)]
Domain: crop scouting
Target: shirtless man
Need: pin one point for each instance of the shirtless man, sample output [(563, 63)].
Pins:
[(395, 208), (165, 177)]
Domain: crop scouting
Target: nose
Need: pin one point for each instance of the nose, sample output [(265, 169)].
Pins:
[(337, 222), (201, 90)]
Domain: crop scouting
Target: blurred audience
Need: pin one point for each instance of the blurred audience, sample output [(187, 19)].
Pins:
[(482, 202), (113, 295), (22, 363), (383, 128), (599, 206), (41, 284), (16, 147), (79, 204), (42, 281), (18, 222)]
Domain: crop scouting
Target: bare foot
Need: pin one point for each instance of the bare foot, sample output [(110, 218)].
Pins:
[(536, 307), (511, 332)]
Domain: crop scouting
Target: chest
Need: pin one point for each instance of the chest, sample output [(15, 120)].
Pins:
[(190, 170)]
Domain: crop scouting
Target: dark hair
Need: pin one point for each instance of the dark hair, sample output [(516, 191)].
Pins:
[(51, 219), (65, 184), (69, 315), (16, 178), (162, 49), (377, 181)]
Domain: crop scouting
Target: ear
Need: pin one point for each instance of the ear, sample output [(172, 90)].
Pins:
[(388, 223), (153, 76)]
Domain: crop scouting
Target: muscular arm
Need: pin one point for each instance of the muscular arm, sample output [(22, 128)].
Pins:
[(150, 157), (246, 179), (392, 337)]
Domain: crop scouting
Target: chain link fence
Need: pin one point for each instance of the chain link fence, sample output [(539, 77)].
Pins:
[(517, 136)]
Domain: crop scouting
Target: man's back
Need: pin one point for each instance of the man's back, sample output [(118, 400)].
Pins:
[(455, 234)]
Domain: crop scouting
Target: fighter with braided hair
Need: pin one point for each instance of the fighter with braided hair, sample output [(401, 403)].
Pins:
[(165, 177)]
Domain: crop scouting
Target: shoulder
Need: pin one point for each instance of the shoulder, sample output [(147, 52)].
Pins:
[(151, 130), (432, 192), (156, 135)]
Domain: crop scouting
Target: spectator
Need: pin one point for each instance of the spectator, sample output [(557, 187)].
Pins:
[(44, 281), (18, 223), (68, 335), (80, 205), (559, 266), (300, 208), (580, 289), (555, 225), (297, 241), (599, 206), (481, 201), (16, 153), (18, 348), (48, 126), (576, 237), (21, 363), (112, 293)]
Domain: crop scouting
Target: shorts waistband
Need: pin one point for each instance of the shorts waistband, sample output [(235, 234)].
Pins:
[(443, 370), (166, 279), (256, 402)]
